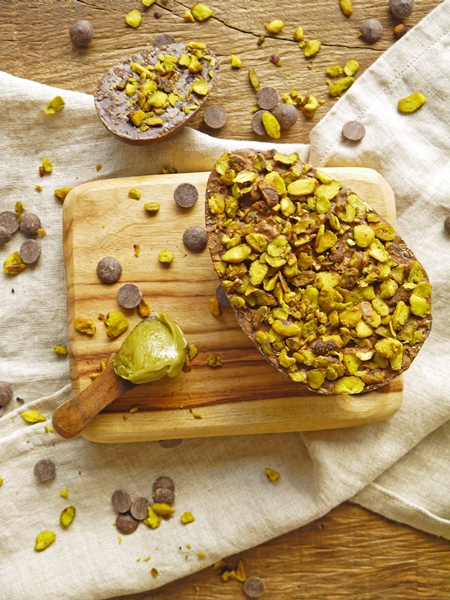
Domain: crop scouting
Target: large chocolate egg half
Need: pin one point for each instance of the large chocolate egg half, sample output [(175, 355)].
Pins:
[(320, 282)]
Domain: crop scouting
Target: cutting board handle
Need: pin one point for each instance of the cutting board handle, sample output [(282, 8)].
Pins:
[(71, 418)]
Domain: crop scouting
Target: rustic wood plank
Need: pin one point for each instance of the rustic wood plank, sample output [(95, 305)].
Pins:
[(36, 45), (349, 553)]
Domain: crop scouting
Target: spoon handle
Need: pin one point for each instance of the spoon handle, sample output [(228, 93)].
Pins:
[(71, 418)]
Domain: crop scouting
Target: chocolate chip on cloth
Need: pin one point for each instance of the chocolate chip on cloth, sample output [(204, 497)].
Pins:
[(121, 501), (30, 251), (138, 508), (30, 224), (6, 393), (9, 222), (152, 94), (126, 523), (325, 288), (44, 469)]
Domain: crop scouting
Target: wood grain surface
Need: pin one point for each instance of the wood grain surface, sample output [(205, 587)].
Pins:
[(246, 394), (351, 553)]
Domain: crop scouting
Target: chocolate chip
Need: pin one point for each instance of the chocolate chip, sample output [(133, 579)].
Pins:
[(354, 131), (129, 295), (30, 251), (5, 236), (185, 195), (44, 469), (121, 501), (6, 393), (267, 98), (169, 443), (138, 508), (164, 495), (286, 115), (163, 482), (81, 33), (447, 224), (215, 116), (163, 39), (222, 296), (29, 224), (257, 124), (371, 30), (126, 524), (401, 8), (195, 238), (109, 269), (8, 221), (253, 587)]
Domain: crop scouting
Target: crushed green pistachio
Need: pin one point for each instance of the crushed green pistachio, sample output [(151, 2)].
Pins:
[(165, 257), (201, 12), (13, 264), (340, 86), (67, 516), (152, 207), (213, 361), (298, 34), (64, 493), (411, 103), (272, 475), (274, 26), (134, 193), (85, 325), (44, 539), (133, 18), (61, 193), (32, 416), (346, 7), (60, 349), (116, 323), (236, 62), (311, 48), (54, 106), (187, 517)]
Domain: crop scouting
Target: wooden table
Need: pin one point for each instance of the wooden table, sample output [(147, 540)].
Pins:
[(350, 553)]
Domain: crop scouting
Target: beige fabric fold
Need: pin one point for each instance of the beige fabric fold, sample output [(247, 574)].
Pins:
[(220, 480)]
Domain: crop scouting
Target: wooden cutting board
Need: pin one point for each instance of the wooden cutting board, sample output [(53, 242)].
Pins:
[(243, 396)]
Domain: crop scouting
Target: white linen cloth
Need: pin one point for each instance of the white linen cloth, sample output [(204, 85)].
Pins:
[(400, 468)]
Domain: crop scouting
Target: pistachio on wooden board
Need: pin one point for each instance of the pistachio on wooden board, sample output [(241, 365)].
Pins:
[(152, 94), (320, 282)]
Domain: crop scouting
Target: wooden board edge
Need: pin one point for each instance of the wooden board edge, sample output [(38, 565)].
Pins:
[(245, 418)]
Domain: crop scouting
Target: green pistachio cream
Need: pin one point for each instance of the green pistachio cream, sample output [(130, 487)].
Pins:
[(154, 348)]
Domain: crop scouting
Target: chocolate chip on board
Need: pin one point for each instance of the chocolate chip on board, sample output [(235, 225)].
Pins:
[(6, 393), (267, 98), (138, 508), (286, 115), (371, 30), (81, 33), (121, 501), (163, 39), (401, 8), (253, 587), (222, 296), (163, 482), (44, 469), (195, 238), (257, 124), (129, 295), (8, 221), (215, 116), (30, 251), (354, 131), (185, 195), (29, 224), (5, 236), (170, 443), (109, 269), (164, 495), (126, 523)]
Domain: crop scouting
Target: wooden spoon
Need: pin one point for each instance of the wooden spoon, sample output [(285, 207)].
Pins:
[(71, 418)]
